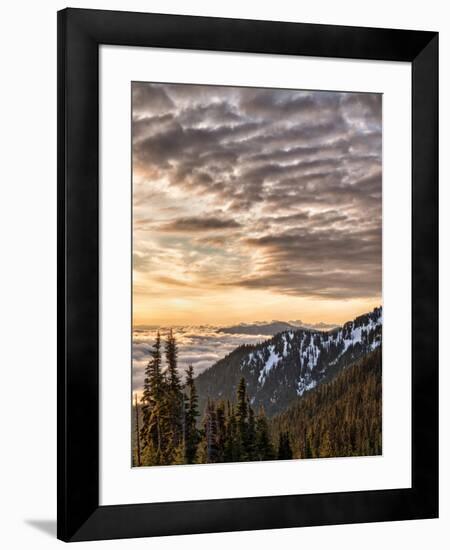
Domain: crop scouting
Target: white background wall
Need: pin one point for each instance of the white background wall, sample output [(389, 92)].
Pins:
[(28, 270)]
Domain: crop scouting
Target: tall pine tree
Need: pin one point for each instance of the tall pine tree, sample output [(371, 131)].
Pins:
[(250, 447), (208, 452), (284, 447), (154, 409), (241, 418), (263, 446), (191, 433), (175, 397), (171, 350), (137, 461)]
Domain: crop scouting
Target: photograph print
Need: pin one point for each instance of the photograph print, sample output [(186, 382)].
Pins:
[(257, 274)]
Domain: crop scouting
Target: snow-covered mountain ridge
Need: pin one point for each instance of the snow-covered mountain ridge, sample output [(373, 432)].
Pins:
[(290, 363)]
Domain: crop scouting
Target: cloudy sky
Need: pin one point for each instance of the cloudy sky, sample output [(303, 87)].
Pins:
[(254, 204)]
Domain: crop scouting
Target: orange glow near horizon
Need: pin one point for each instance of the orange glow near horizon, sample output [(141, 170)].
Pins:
[(244, 306)]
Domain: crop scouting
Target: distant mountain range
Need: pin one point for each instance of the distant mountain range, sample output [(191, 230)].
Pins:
[(273, 327), (292, 362)]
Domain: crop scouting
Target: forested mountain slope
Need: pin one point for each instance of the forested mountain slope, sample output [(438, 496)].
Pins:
[(339, 418), (284, 367)]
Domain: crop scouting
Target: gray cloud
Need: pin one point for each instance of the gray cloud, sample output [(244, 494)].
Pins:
[(150, 99), (195, 224)]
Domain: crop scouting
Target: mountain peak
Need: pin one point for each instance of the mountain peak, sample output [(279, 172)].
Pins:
[(291, 362)]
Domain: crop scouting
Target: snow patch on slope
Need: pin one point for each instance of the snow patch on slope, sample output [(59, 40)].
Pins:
[(271, 362), (310, 354), (305, 386), (285, 346)]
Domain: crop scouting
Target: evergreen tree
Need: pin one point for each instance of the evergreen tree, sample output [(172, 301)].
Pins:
[(280, 446), (241, 418), (153, 408), (171, 351), (175, 397), (231, 447), (221, 423), (308, 447), (263, 446), (137, 461), (250, 443), (191, 436), (325, 449), (208, 452), (284, 447), (288, 449)]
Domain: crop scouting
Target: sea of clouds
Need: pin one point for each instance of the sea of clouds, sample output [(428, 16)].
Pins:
[(199, 346)]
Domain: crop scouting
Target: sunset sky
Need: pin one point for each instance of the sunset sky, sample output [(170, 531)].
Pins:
[(254, 204)]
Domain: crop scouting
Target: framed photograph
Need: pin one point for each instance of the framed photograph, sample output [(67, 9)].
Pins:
[(247, 274)]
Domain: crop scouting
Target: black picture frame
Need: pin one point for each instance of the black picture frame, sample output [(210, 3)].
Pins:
[(80, 33)]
